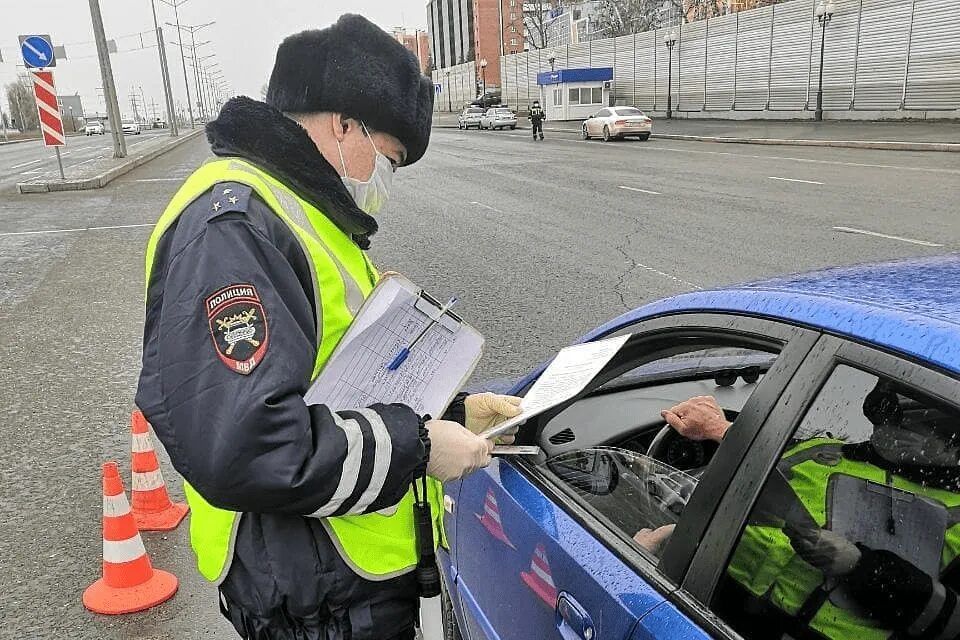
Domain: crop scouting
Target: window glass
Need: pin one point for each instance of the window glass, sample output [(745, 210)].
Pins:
[(614, 451), (855, 533), (628, 111), (596, 95), (574, 96)]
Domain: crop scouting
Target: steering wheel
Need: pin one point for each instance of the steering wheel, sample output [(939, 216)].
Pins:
[(681, 453)]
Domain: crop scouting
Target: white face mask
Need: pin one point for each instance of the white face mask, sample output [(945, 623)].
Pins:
[(370, 195)]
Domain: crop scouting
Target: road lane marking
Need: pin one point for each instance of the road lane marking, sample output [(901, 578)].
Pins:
[(49, 231), (486, 206), (840, 163), (160, 180), (653, 193), (793, 180), (864, 232), (27, 164)]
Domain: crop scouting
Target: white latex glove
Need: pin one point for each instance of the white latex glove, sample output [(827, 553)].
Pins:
[(454, 451), (487, 410)]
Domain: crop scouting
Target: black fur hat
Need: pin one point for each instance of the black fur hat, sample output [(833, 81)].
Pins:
[(355, 68)]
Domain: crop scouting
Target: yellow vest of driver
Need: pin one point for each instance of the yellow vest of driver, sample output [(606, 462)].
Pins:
[(375, 546)]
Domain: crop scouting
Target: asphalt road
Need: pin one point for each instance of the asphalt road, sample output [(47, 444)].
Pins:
[(542, 241), (23, 160)]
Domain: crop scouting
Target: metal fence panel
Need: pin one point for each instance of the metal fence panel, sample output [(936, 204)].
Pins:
[(645, 71), (578, 55), (790, 55), (839, 55), (884, 31), (623, 71), (753, 55), (933, 78), (721, 60), (692, 45)]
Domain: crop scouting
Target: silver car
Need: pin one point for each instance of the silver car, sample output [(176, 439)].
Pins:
[(498, 118), (617, 122), (470, 117)]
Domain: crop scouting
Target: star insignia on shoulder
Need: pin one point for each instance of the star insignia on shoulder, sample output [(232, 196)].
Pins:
[(216, 206), (233, 199)]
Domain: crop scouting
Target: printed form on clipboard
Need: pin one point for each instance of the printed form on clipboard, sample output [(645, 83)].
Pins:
[(357, 374)]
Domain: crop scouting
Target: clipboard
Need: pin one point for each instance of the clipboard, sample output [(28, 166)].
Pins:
[(356, 374)]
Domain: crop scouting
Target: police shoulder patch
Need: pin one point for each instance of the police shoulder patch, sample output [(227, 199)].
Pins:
[(238, 326)]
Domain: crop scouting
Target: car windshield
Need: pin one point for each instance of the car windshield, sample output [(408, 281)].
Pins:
[(628, 111), (127, 121), (505, 111), (474, 110)]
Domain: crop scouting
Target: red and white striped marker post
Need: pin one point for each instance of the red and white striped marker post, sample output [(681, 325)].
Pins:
[(540, 578), (51, 122)]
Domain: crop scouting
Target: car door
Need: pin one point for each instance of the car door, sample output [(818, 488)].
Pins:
[(532, 559), (828, 402), (593, 126)]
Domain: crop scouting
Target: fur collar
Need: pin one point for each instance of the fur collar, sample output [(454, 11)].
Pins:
[(262, 135)]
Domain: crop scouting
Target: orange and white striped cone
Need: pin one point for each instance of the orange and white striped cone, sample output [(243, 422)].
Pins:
[(129, 582), (490, 519), (152, 508), (539, 579)]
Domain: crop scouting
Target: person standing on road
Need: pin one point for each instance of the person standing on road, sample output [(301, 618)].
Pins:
[(537, 116), (301, 515)]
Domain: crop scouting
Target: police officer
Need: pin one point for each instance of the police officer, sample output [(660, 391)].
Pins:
[(537, 116), (803, 579), (312, 523)]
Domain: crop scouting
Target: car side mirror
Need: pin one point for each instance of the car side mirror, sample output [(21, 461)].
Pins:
[(590, 471)]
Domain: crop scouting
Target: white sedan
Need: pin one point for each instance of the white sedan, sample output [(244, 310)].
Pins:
[(131, 126), (617, 122)]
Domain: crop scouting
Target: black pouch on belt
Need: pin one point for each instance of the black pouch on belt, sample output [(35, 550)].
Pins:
[(428, 574)]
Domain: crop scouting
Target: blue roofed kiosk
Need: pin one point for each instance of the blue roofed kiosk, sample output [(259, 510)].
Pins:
[(575, 94)]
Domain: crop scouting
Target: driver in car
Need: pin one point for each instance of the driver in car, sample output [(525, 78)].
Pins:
[(887, 568)]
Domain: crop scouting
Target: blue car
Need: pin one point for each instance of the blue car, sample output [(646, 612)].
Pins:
[(810, 370)]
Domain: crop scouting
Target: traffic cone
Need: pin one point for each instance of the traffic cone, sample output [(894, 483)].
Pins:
[(152, 508), (129, 582), (539, 578), (490, 519)]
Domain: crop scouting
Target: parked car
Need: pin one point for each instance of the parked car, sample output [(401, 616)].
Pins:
[(498, 118), (487, 100), (93, 127), (470, 117), (538, 543), (131, 127), (617, 122)]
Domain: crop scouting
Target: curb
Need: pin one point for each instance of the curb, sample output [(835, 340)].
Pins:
[(876, 145), (101, 180), (6, 142)]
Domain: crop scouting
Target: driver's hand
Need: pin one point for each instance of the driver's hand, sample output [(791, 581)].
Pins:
[(652, 539), (699, 418)]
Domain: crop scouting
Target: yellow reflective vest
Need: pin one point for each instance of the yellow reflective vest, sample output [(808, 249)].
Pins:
[(377, 546), (765, 563)]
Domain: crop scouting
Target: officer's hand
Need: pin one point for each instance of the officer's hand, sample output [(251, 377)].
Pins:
[(699, 418), (829, 552), (652, 539), (486, 410), (454, 451)]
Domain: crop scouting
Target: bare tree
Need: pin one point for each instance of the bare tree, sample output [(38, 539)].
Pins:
[(623, 17), (536, 20), (22, 104)]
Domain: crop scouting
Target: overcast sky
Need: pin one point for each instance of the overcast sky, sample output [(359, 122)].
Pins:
[(244, 38)]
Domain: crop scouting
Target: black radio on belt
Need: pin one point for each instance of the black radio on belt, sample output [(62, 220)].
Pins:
[(428, 575)]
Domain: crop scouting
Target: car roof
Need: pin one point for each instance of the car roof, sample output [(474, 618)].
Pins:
[(908, 306)]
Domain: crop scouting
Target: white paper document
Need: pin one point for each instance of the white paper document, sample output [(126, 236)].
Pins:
[(356, 375), (569, 374)]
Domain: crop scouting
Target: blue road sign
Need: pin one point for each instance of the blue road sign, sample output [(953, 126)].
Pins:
[(37, 51), (437, 88)]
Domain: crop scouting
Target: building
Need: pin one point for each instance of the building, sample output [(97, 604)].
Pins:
[(71, 110), (417, 43), (498, 30), (450, 27)]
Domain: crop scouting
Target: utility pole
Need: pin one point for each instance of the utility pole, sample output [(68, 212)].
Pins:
[(3, 123), (133, 105), (165, 72), (183, 62), (109, 88)]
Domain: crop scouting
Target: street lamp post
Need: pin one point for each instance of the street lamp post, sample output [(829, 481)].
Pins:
[(670, 40), (449, 96), (483, 75), (73, 123), (824, 13), (183, 62), (552, 61)]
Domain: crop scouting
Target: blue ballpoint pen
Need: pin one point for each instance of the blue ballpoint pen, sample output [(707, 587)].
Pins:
[(400, 357)]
